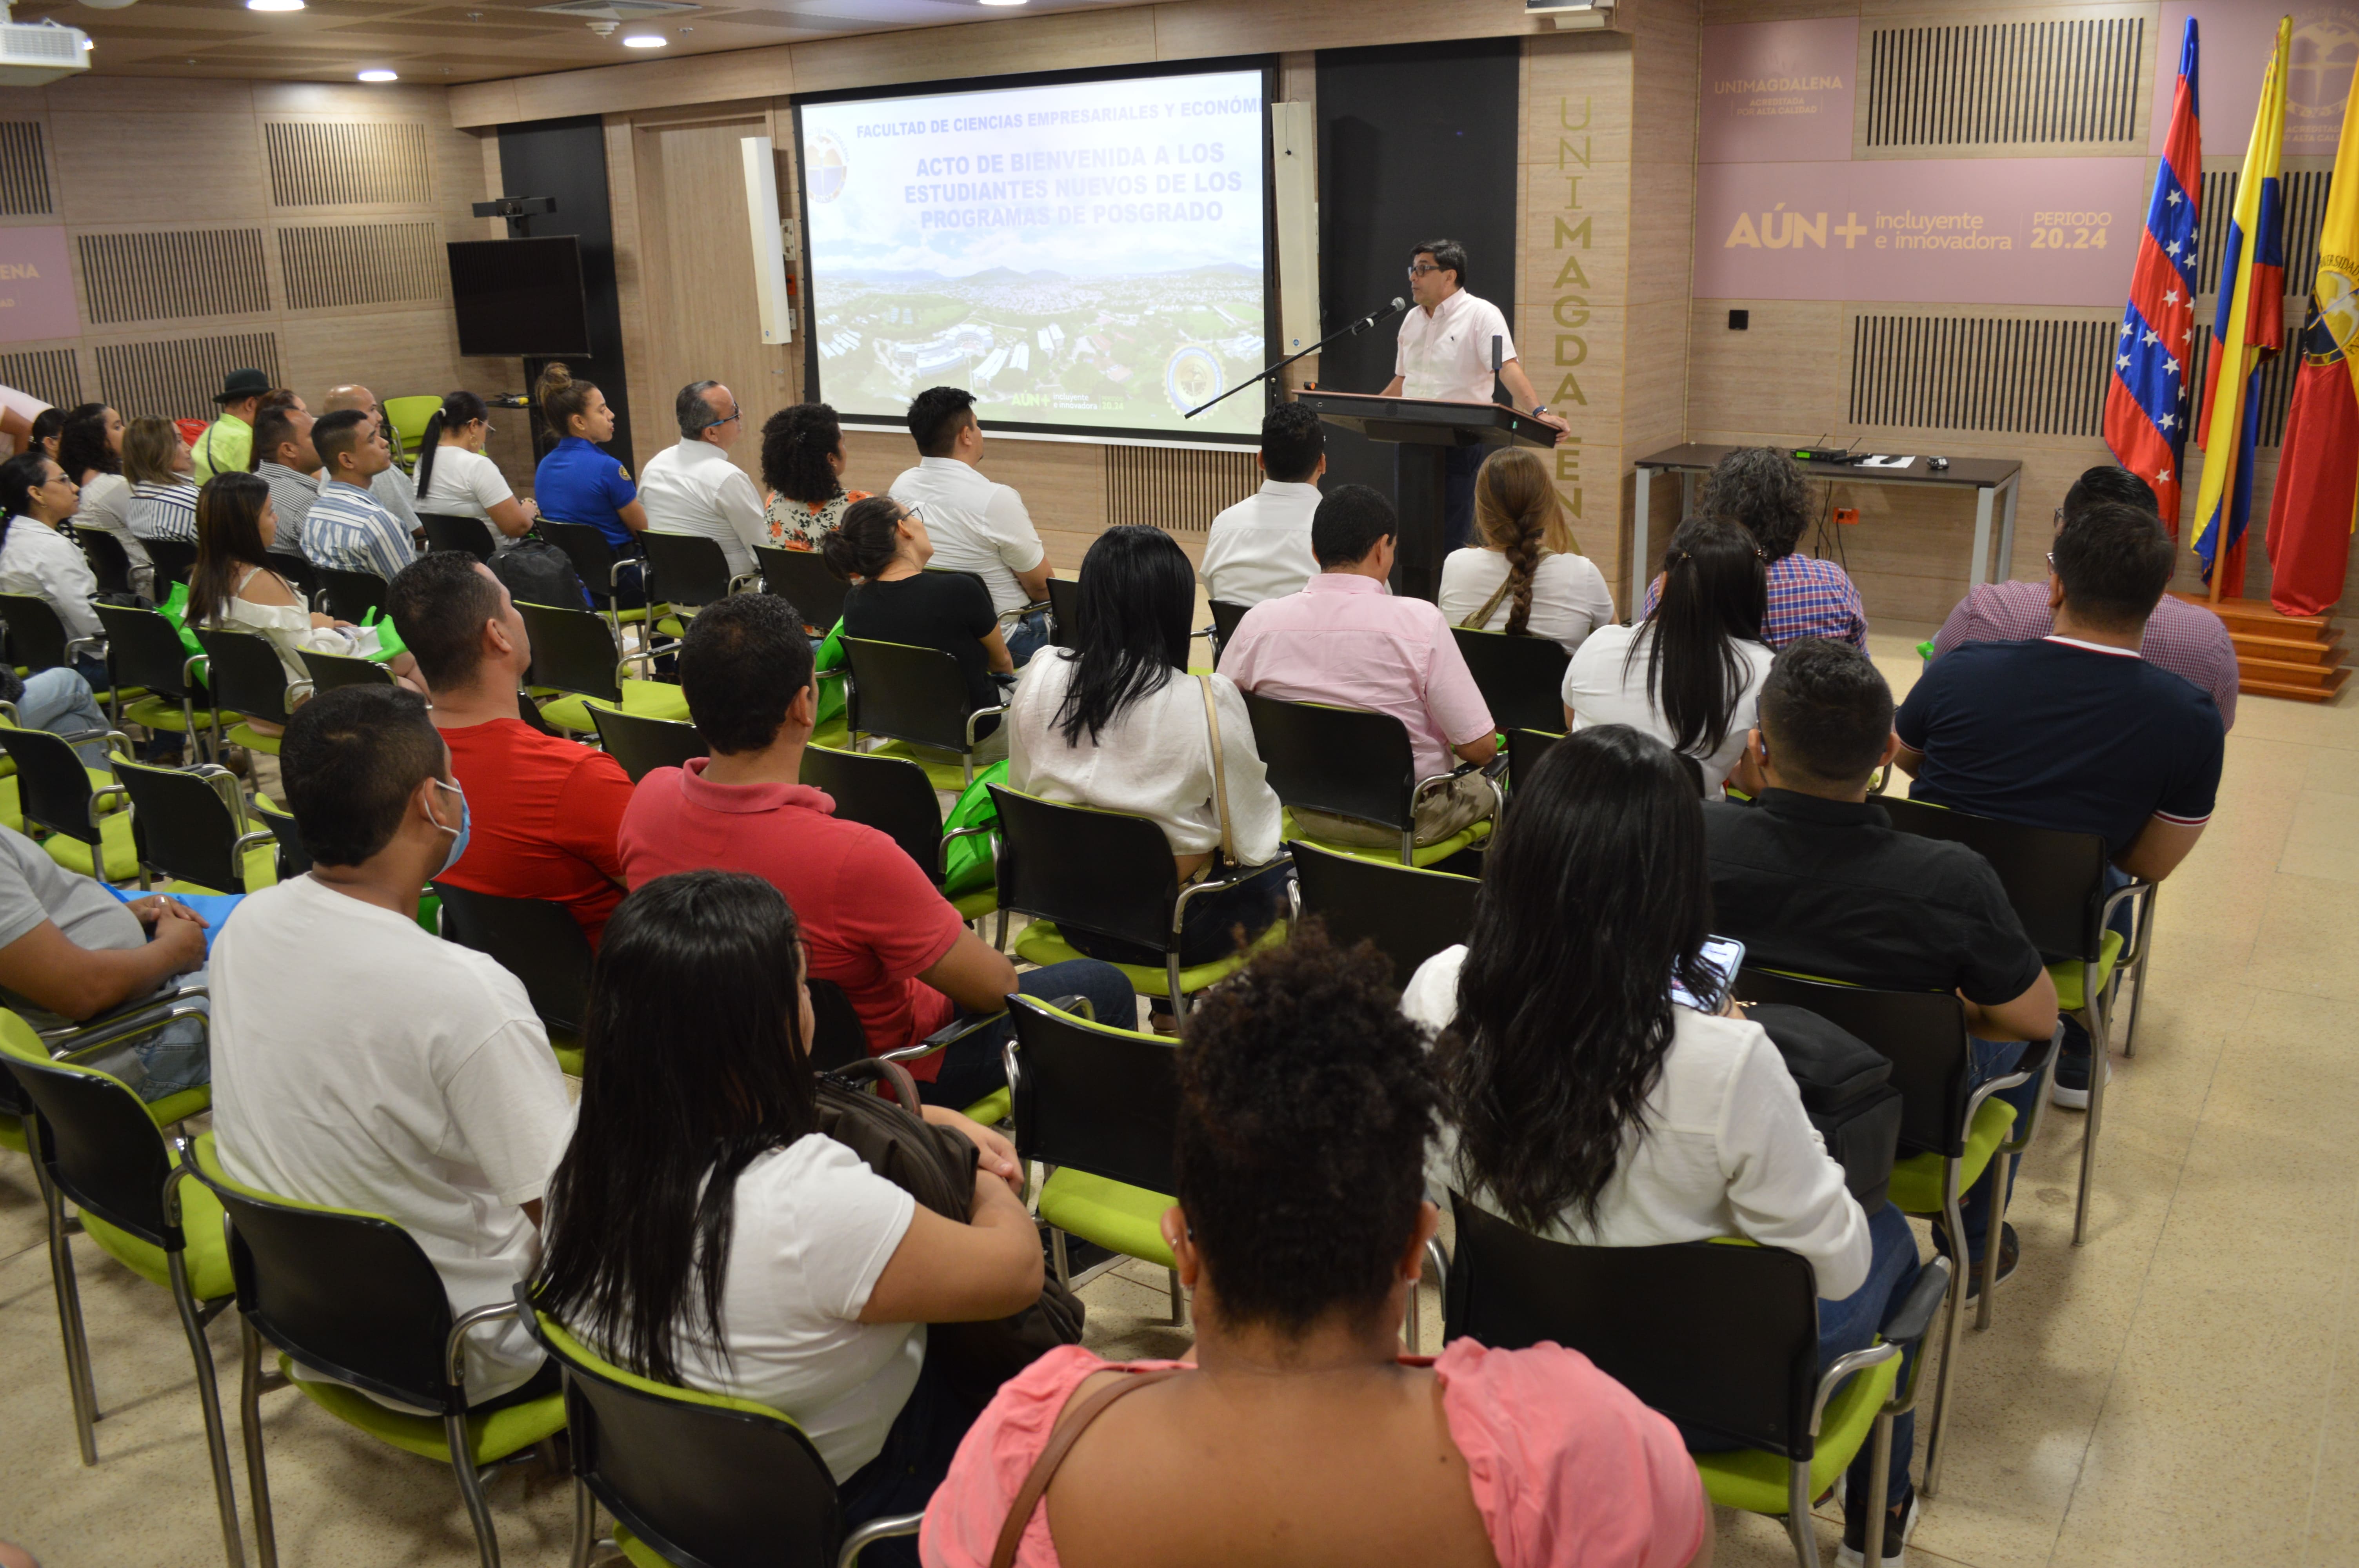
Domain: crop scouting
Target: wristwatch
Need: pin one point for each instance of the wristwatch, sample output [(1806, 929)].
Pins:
[(1539, 409)]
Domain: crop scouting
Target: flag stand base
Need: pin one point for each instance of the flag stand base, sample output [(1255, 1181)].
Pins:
[(2299, 657)]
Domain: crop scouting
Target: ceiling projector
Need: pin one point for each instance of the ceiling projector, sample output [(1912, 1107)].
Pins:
[(34, 52)]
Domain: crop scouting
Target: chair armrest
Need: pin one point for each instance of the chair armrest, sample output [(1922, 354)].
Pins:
[(454, 1358), (874, 1530), (125, 749), (1843, 1368), (191, 666), (1209, 634), (253, 840), (97, 798), (1906, 1323), (942, 1039), (1438, 780), (1439, 1257), (2137, 888), (128, 1022), (1242, 873), (98, 644), (980, 713), (649, 654), (8, 711), (743, 580), (941, 854)]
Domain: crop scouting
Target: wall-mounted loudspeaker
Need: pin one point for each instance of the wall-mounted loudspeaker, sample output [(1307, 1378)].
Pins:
[(771, 292)]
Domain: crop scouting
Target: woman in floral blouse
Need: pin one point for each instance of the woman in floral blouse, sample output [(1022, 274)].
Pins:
[(802, 465)]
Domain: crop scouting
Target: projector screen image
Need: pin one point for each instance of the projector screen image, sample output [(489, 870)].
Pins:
[(1087, 256)]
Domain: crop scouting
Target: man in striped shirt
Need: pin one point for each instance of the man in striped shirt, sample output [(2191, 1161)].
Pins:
[(348, 528), (1760, 489)]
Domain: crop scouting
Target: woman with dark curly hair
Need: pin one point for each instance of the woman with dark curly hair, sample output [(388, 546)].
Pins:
[(1523, 575), (1760, 489), (802, 465), (1298, 1433)]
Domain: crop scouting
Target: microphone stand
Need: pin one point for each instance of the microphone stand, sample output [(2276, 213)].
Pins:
[(1362, 325)]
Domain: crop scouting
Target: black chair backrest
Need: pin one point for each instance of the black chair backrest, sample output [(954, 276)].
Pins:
[(100, 1147), (298, 570), (351, 596), (593, 558), (110, 563), (891, 795), (243, 671), (1065, 611), (53, 789), (1521, 678), (802, 579), (330, 670), (907, 694), (294, 860), (182, 825), (37, 638), (2055, 880), (1525, 749), (642, 744), (1226, 616), (1338, 760), (535, 941), (688, 568), (1409, 914), (838, 1037), (1102, 1100), (1101, 871), (1720, 1337), (572, 650), (1922, 1032), (174, 560), (143, 648), (446, 531)]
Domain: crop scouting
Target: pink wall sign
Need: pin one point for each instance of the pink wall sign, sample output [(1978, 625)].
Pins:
[(1778, 92), (37, 296), (2235, 38), (1952, 231)]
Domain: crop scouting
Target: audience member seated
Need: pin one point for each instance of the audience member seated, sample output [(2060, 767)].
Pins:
[(802, 464), (1306, 1101), (70, 950), (1348, 640), (1690, 673), (1260, 549), (1117, 723), (872, 919), (978, 525), (1524, 575), (349, 528), (2188, 640), (881, 547), (61, 702), (90, 449), (1814, 880), (48, 430), (361, 1062), (704, 1232), (1582, 1104), (156, 461), (2074, 730), (37, 559), (227, 445), (454, 479), (1761, 489), (284, 458), (552, 809), (391, 486), (693, 488), (579, 480)]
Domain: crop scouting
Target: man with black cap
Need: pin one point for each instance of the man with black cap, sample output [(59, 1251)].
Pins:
[(227, 445)]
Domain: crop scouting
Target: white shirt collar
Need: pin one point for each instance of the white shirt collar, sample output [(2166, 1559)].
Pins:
[(1287, 487), (2095, 647), (694, 450)]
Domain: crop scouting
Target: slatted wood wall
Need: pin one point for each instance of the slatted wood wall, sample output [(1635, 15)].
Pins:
[(1995, 84)]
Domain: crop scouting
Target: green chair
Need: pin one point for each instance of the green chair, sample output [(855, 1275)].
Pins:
[(242, 670), (1110, 873), (1098, 1107), (1521, 676), (918, 697), (447, 531), (1525, 749), (537, 941), (1719, 1336), (353, 596), (407, 416), (96, 1145), (293, 859), (37, 641), (894, 796), (690, 570), (80, 806), (145, 650), (331, 670), (1227, 617), (1348, 763), (692, 1480), (190, 827), (352, 1296), (802, 579), (1409, 914), (600, 567), (576, 653), (642, 743)]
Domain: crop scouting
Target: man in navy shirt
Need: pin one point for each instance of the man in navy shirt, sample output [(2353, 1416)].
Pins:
[(2074, 730)]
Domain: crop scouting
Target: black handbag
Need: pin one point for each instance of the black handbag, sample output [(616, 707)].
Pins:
[(1846, 1093), (536, 572)]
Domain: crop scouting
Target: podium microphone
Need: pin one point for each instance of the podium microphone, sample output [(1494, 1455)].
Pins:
[(1373, 317)]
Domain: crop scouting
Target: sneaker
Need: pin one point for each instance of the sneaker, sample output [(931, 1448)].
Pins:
[(2071, 1087), (1896, 1537), (2010, 1253)]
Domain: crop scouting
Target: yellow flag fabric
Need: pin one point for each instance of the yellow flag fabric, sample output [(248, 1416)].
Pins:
[(2336, 287)]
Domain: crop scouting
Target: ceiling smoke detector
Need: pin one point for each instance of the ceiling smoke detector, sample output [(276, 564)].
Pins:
[(603, 17)]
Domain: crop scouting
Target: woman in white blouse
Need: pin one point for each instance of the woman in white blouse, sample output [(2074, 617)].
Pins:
[(1690, 673), (1526, 576), (90, 451), (1583, 1104), (1117, 723), (455, 480), (37, 559)]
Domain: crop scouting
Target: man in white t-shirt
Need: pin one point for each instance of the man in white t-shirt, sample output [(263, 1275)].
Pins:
[(361, 1063), (976, 525), (1260, 549), (693, 488), (1445, 355)]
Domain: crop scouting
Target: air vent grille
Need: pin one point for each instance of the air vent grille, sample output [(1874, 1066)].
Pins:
[(2005, 83), (173, 273), (49, 374), (347, 163), (360, 263), (177, 379), (24, 170), (1968, 372), (1173, 489)]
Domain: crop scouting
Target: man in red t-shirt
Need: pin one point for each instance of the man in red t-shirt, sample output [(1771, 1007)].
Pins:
[(543, 812), (873, 921)]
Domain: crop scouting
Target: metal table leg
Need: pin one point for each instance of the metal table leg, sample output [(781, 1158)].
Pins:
[(2005, 566), (1983, 497), (1638, 546)]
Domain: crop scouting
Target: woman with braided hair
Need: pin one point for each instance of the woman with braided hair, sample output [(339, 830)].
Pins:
[(1523, 574), (802, 466)]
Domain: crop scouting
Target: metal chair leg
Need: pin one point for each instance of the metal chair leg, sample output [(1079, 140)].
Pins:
[(1799, 1528), (1935, 1445), (2137, 976), (1057, 1256), (1996, 1173), (1179, 1301), (471, 1488), (79, 1380), (1879, 1488), (585, 1523), (209, 1397), (249, 1423), (2092, 1017)]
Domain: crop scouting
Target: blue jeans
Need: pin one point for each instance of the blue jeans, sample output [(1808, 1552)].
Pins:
[(1992, 1059), (1028, 637), (972, 1068), (59, 701)]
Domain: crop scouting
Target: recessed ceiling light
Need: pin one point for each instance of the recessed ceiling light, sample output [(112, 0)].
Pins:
[(643, 40), (274, 4), (378, 76), (1003, 2)]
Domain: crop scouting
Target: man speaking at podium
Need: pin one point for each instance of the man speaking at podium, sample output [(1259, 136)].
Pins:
[(1445, 355)]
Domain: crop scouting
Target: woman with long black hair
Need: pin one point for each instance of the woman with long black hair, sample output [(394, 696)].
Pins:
[(1116, 721), (1583, 1102), (703, 1231), (455, 479), (1690, 673), (881, 547)]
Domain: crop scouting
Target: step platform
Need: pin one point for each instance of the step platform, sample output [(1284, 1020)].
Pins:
[(2299, 657)]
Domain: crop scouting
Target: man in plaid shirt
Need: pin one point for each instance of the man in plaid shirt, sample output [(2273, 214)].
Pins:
[(1760, 488), (2185, 639)]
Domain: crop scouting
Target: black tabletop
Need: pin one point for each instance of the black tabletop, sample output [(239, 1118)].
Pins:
[(1978, 471)]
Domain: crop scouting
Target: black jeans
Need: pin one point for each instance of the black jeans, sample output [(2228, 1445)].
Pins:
[(916, 1457)]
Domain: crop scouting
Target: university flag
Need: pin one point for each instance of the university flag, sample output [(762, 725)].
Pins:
[(2317, 497), (2247, 332), (2148, 401)]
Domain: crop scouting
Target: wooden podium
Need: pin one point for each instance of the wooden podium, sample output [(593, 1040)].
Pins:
[(1424, 429)]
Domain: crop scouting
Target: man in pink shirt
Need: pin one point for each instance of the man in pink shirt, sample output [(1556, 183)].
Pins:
[(1347, 640)]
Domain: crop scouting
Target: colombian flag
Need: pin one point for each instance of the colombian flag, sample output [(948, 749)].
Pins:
[(2249, 329), (2318, 472)]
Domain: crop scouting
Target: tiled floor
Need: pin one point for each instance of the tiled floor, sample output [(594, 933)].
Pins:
[(2182, 1390)]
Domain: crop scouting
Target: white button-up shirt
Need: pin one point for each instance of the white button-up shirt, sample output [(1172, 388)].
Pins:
[(1446, 353), (976, 525), (693, 488), (39, 561), (1260, 549)]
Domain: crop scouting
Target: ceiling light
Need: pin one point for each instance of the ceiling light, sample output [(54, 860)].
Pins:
[(1003, 2), (378, 76), (274, 4), (643, 40)]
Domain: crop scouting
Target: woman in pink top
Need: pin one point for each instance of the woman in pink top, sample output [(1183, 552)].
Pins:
[(1300, 1437)]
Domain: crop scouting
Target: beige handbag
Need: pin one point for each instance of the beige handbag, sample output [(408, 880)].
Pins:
[(1220, 780)]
